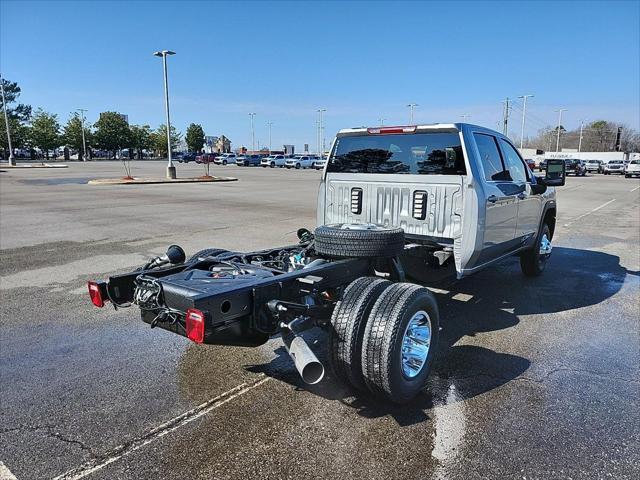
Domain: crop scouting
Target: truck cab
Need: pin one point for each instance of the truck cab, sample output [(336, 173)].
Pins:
[(458, 188)]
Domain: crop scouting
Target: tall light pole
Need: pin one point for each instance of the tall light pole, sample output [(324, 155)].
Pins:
[(381, 121), (269, 125), (84, 141), (524, 111), (320, 130), (580, 141), (12, 161), (464, 116), (411, 107), (505, 117), (171, 170), (253, 133), (559, 124)]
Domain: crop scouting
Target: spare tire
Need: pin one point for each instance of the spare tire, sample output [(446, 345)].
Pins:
[(358, 240)]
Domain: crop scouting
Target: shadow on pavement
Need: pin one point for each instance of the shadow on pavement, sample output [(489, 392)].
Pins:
[(489, 301)]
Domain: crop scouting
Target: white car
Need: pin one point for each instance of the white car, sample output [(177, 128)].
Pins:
[(614, 166), (320, 163), (225, 159), (273, 161), (300, 161), (632, 169), (592, 165)]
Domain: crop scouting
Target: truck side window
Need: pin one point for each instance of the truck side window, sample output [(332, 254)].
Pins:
[(490, 158), (513, 162)]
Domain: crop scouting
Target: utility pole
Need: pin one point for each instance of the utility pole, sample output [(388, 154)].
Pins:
[(84, 142), (411, 107), (12, 161), (269, 125), (581, 129), (524, 113), (253, 133), (381, 121), (559, 124), (505, 117)]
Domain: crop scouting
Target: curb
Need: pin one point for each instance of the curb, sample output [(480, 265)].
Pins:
[(154, 181), (29, 165)]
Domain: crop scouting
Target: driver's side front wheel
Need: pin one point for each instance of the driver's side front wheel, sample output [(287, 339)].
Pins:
[(534, 260)]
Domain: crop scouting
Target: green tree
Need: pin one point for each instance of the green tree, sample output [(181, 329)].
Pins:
[(19, 134), (72, 134), (194, 138), (141, 138), (11, 93), (45, 131), (112, 132), (160, 139)]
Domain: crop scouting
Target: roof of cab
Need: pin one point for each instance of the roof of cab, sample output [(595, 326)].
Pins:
[(444, 127)]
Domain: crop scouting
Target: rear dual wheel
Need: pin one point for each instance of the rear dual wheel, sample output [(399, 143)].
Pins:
[(384, 337)]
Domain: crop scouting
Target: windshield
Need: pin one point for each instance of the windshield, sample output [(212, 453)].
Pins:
[(419, 153), (634, 162)]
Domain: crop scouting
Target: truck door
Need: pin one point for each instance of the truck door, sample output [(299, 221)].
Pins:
[(500, 201), (529, 205)]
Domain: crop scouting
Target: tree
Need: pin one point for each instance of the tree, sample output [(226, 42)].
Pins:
[(45, 131), (19, 134), (72, 134), (112, 132), (11, 93), (160, 139), (194, 138), (141, 138)]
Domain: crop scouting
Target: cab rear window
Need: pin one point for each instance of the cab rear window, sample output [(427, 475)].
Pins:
[(417, 153)]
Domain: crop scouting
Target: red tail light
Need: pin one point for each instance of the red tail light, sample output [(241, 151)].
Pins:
[(96, 294), (195, 325), (390, 130)]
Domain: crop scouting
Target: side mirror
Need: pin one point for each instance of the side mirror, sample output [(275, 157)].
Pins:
[(555, 174)]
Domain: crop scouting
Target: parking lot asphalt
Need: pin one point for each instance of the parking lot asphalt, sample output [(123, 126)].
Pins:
[(535, 378)]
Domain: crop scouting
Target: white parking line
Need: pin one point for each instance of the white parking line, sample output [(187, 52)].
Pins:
[(590, 212), (5, 473), (634, 189), (158, 432)]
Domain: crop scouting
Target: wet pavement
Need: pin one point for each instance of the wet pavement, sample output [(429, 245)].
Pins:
[(535, 378)]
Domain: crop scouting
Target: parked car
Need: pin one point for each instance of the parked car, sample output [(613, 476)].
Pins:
[(383, 330), (592, 165), (248, 160), (300, 161), (273, 161), (542, 166), (632, 169), (225, 159), (205, 158), (531, 163), (320, 163), (575, 167), (187, 157), (614, 166)]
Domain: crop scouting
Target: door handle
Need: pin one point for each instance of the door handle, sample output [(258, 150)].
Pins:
[(492, 199), (522, 195)]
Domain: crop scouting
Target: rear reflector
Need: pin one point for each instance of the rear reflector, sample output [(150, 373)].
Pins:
[(389, 130), (96, 294), (195, 325)]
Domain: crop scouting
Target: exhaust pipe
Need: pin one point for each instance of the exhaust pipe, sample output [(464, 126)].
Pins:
[(306, 362)]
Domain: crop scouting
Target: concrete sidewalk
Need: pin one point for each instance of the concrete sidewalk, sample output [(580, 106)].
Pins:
[(151, 181)]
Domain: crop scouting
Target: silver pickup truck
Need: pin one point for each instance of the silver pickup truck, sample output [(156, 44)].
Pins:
[(398, 208)]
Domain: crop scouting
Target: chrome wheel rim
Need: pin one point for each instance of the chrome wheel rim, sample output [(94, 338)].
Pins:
[(415, 344), (545, 245)]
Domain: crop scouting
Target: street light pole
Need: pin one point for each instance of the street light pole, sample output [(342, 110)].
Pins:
[(524, 110), (581, 129), (12, 161), (84, 142), (253, 133), (320, 130), (559, 124), (171, 170), (464, 117), (269, 124), (411, 107), (381, 121)]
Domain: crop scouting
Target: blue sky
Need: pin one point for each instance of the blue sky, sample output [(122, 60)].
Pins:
[(361, 61)]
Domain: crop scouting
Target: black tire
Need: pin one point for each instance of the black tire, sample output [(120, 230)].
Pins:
[(348, 324), (224, 162), (382, 345), (341, 242), (207, 252), (532, 262)]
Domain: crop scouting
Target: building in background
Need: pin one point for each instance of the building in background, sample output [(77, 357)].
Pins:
[(222, 145)]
